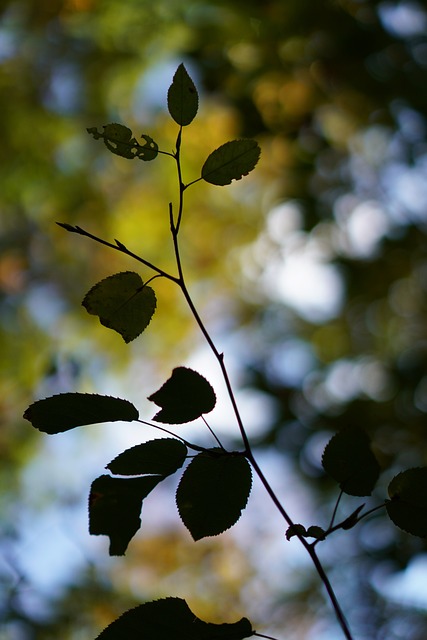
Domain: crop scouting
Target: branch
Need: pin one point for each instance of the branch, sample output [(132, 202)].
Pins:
[(119, 246)]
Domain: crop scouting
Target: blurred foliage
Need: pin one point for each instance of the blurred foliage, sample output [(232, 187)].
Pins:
[(336, 94)]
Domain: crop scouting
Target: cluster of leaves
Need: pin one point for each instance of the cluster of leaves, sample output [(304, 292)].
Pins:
[(215, 485), (213, 490)]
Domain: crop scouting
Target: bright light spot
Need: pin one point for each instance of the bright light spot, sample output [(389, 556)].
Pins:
[(291, 362), (408, 587), (283, 220), (363, 226), (408, 187), (403, 19), (306, 282)]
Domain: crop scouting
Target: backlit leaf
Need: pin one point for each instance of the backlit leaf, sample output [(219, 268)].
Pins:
[(69, 410), (213, 491), (408, 501), (147, 151), (231, 161), (183, 99), (123, 303), (115, 507), (163, 456), (184, 397), (349, 460), (119, 140), (171, 619)]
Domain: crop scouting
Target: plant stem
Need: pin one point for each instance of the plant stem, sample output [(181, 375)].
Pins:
[(248, 450), (331, 524)]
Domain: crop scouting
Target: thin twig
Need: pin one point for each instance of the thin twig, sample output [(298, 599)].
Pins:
[(119, 246)]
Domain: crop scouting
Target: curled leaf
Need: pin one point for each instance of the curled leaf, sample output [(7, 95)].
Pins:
[(115, 507), (184, 397), (295, 530), (316, 532)]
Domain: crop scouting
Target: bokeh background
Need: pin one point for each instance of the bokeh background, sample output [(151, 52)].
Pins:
[(311, 275)]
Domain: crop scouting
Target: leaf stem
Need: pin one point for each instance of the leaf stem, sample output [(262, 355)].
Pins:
[(171, 433), (334, 513), (261, 635), (213, 433)]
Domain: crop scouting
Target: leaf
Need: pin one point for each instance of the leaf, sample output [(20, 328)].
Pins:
[(349, 460), (213, 492), (231, 161), (115, 506), (184, 397), (183, 99), (352, 519), (69, 410), (294, 530), (171, 619), (163, 456), (118, 139), (408, 501), (123, 303), (316, 532), (149, 150)]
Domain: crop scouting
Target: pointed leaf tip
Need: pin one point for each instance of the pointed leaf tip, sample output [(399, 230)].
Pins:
[(123, 303), (184, 397), (231, 161), (183, 99), (172, 618), (69, 410), (213, 492)]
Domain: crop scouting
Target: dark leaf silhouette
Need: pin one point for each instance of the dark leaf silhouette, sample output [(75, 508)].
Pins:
[(213, 491), (352, 519), (171, 619), (69, 410), (123, 303), (231, 161), (316, 532), (408, 501), (119, 140), (115, 506), (184, 397), (294, 530), (349, 460), (183, 99), (163, 456)]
